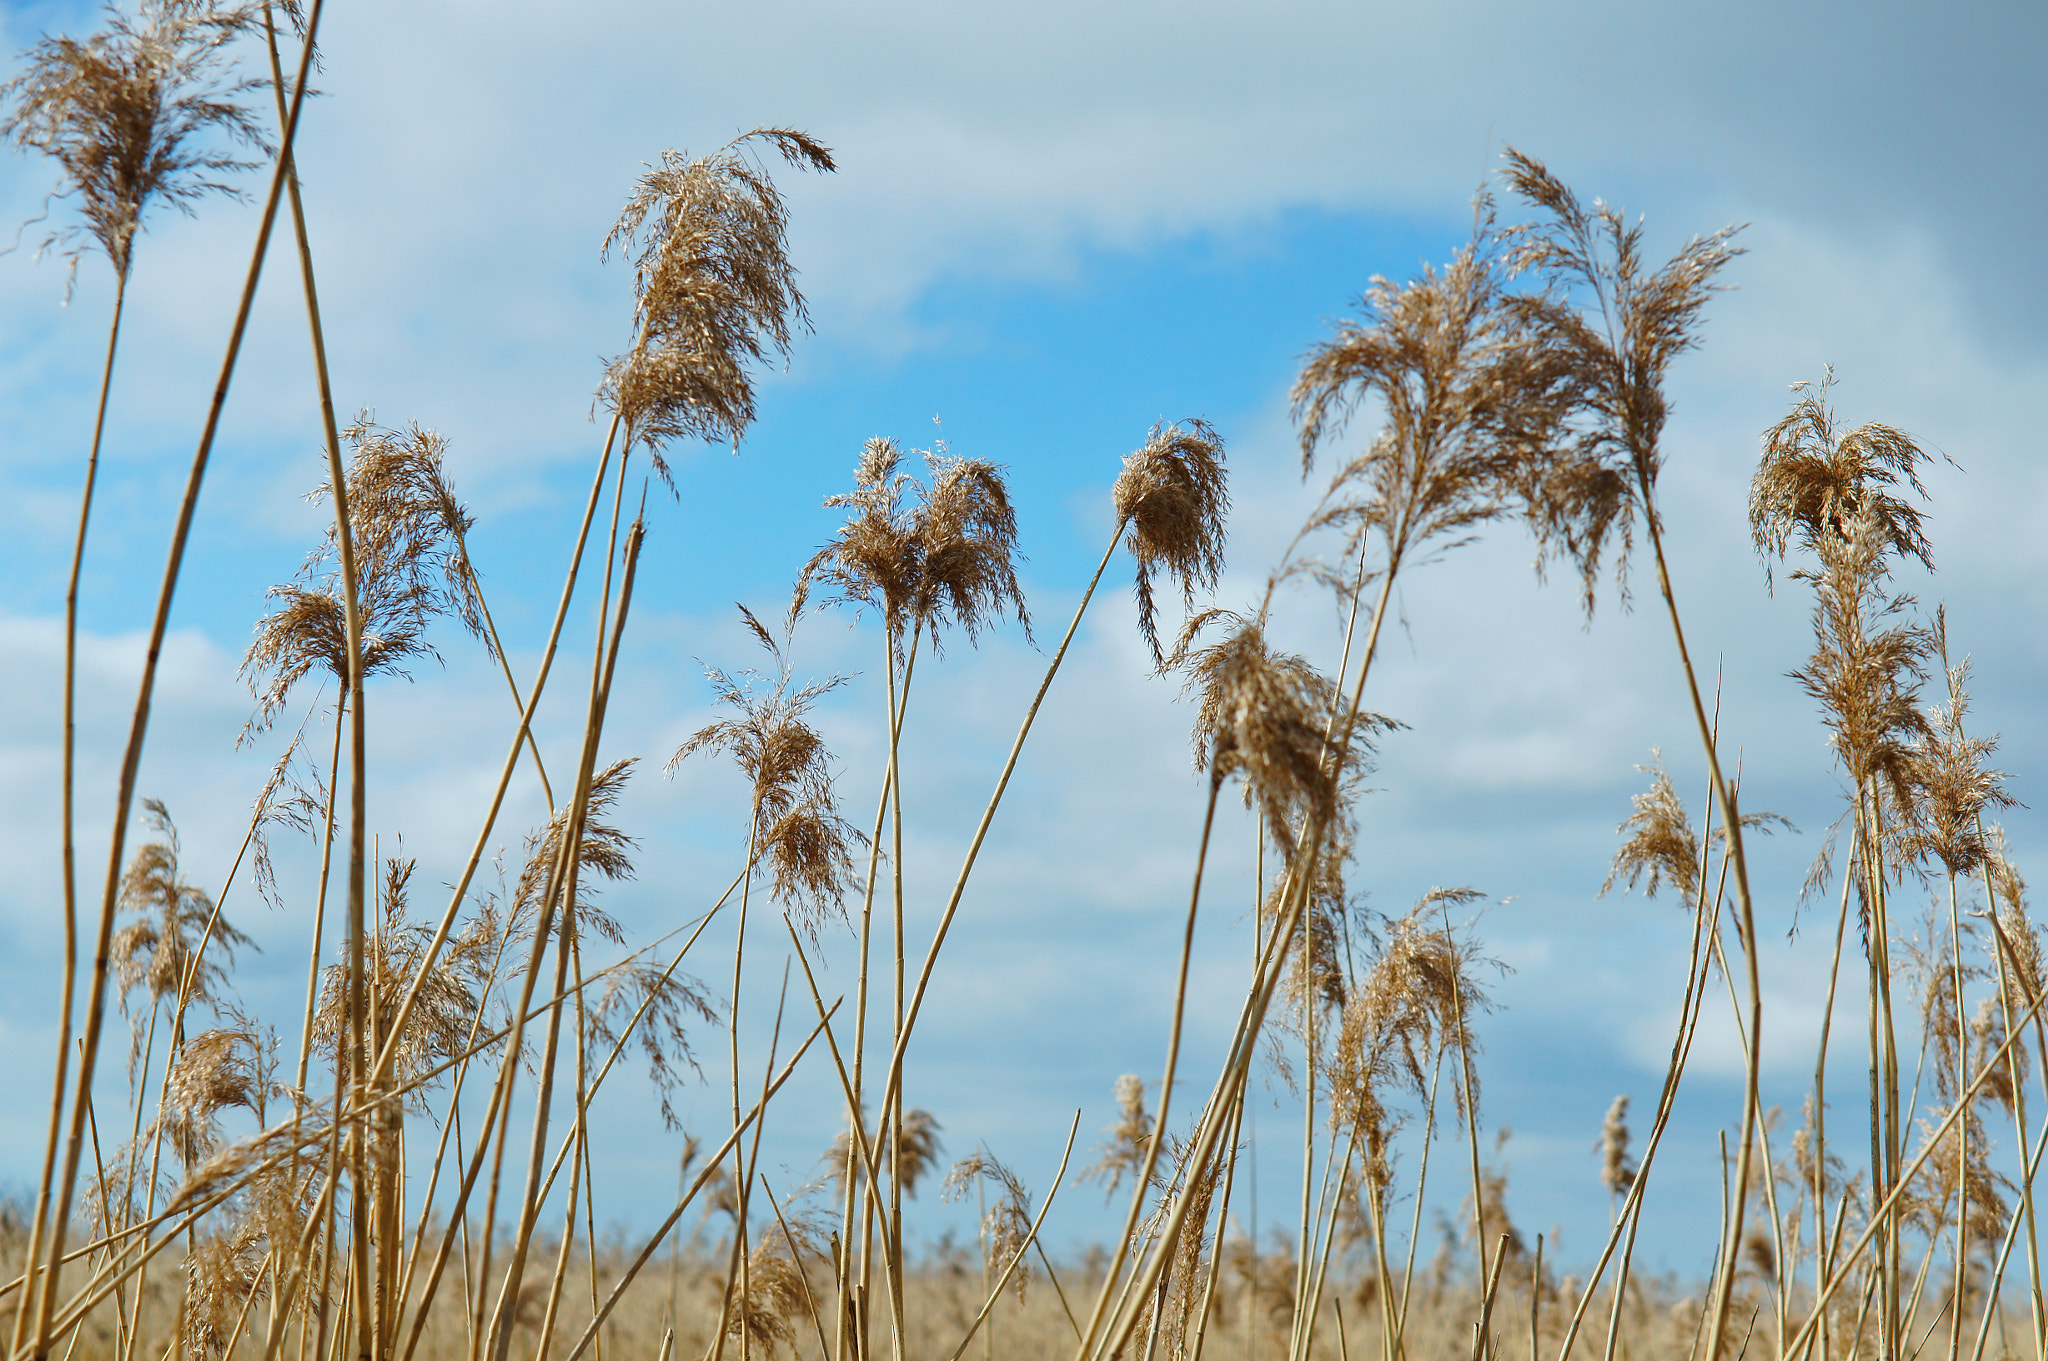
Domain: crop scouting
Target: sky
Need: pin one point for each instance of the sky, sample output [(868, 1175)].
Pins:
[(1049, 230)]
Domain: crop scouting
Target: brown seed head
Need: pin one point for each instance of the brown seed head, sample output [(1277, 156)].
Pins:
[(947, 558), (1956, 785), (1006, 1226), (658, 1005), (1660, 841), (1130, 1138), (1814, 479), (407, 530), (796, 826), (446, 1011), (1471, 400), (158, 951), (1601, 470), (135, 115), (1617, 1172), (1173, 498), (716, 292), (605, 851)]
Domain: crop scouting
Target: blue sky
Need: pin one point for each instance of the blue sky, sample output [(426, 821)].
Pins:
[(1051, 229)]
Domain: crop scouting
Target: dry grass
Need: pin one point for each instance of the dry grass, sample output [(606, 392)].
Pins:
[(420, 1184)]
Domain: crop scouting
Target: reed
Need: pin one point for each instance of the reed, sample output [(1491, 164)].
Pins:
[(352, 1180)]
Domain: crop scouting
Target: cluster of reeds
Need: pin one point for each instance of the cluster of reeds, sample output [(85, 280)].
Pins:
[(280, 1173)]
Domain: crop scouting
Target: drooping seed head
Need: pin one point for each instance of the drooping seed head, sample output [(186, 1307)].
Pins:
[(1172, 499), (796, 827)]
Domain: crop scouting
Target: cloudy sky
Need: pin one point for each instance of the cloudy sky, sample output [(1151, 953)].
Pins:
[(1049, 230)]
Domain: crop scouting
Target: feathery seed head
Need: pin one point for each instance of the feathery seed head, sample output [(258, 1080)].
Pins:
[(948, 558), (796, 827), (1815, 479), (1617, 1173), (448, 1010), (764, 1312), (657, 1005), (1956, 786), (1416, 1001), (1470, 397), (1006, 1226), (1130, 1138), (213, 1071), (1173, 497), (159, 951), (1615, 326), (128, 113), (407, 530), (1271, 719), (919, 1145), (716, 292), (1660, 841), (605, 850)]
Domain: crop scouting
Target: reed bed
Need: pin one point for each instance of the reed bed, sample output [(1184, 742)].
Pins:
[(402, 1166)]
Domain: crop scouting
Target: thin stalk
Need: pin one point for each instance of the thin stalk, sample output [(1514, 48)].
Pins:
[(988, 815), (1622, 1237), (1804, 1336), (64, 812), (1958, 1306), (564, 875), (520, 738), (2030, 1161), (1820, 1109), (2033, 1165), (1031, 1238), (1294, 901), (131, 760), (661, 1232), (1144, 1179), (320, 898), (1746, 922), (1216, 1254)]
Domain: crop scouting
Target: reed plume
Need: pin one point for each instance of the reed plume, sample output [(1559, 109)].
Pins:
[(714, 291), (1954, 785), (1271, 719), (1617, 1173), (1471, 399), (144, 112), (1414, 1003), (1598, 477), (925, 554), (659, 1006), (1005, 1227), (1124, 1153), (450, 994), (921, 1147), (1172, 499), (230, 1066), (796, 826), (406, 530), (159, 951)]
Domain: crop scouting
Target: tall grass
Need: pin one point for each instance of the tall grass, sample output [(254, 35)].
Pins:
[(353, 1179)]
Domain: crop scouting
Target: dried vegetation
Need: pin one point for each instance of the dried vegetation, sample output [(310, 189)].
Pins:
[(420, 1180)]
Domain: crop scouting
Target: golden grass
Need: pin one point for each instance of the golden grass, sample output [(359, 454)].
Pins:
[(348, 1212)]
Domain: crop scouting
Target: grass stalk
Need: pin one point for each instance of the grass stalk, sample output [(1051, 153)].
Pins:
[(66, 799), (60, 1201)]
